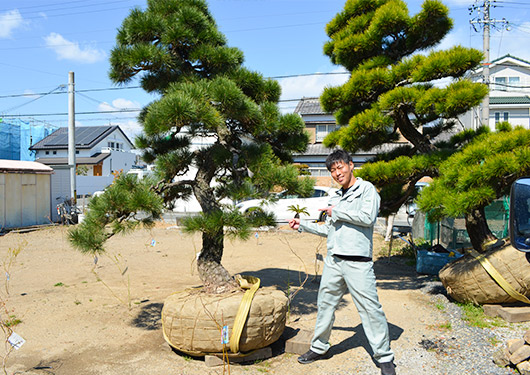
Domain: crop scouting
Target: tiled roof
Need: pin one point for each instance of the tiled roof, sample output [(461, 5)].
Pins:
[(309, 106), (85, 137), (319, 149), (509, 100), (509, 56)]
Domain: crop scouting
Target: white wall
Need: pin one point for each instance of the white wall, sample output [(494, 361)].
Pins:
[(118, 160), (87, 185)]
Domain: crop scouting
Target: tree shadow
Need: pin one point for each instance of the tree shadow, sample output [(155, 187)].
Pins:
[(393, 274), (149, 317), (304, 295)]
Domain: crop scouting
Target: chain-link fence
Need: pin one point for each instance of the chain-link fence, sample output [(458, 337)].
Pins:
[(451, 232)]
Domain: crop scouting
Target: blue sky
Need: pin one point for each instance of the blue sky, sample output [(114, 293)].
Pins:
[(42, 40)]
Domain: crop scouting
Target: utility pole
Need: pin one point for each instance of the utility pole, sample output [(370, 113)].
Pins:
[(71, 137), (486, 21)]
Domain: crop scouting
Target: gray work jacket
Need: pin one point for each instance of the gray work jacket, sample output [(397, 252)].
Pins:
[(351, 226)]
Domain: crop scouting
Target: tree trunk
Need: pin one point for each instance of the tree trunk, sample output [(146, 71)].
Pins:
[(215, 277), (478, 229), (407, 129)]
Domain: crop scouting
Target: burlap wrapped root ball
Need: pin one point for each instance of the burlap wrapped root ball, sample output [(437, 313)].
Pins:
[(467, 281), (191, 321)]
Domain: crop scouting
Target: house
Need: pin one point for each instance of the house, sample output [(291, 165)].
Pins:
[(24, 194), (319, 124), (509, 93), (101, 153)]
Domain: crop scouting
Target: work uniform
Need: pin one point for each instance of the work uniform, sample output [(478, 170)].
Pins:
[(348, 266)]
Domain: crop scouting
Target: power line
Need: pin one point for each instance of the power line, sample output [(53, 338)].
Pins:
[(60, 87), (127, 110), (76, 13), (139, 87)]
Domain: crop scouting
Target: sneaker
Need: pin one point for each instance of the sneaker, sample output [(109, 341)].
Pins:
[(310, 356), (388, 368)]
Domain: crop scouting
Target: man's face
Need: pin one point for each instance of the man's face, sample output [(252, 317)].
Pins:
[(342, 173)]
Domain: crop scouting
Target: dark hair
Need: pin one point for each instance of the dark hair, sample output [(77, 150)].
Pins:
[(337, 156)]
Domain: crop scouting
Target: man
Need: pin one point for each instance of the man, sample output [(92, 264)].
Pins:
[(349, 227)]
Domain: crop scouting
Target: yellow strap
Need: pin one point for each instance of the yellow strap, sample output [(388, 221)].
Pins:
[(244, 308), (498, 277)]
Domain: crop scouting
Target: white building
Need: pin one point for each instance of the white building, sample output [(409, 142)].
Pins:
[(509, 93), (101, 153)]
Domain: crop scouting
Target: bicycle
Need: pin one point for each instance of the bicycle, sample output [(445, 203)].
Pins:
[(67, 210)]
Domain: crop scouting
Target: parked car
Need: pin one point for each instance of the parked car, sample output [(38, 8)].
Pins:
[(280, 206)]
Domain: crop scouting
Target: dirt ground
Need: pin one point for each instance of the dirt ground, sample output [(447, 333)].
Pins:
[(74, 323)]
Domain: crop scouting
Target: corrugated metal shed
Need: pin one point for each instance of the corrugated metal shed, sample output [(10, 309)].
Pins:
[(24, 194)]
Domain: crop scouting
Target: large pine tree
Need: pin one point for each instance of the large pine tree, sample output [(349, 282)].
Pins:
[(202, 92), (474, 177), (400, 86)]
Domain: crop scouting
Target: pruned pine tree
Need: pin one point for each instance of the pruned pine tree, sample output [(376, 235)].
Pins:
[(473, 178), (212, 119), (399, 87)]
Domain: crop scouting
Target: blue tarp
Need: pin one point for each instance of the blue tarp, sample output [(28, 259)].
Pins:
[(17, 136)]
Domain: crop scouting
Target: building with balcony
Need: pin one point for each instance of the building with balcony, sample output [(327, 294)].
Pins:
[(101, 153), (509, 93)]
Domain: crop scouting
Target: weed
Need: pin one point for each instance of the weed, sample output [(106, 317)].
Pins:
[(263, 366), (7, 319), (445, 326), (494, 341), (440, 306), (186, 358), (12, 321), (77, 302), (59, 284), (475, 317)]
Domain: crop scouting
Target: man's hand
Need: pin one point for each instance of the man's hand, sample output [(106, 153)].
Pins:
[(327, 210), (294, 223)]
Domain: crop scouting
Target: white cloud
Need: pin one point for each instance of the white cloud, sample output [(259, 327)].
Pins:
[(118, 104), (130, 127), (31, 94), (67, 50), (308, 86), (10, 21)]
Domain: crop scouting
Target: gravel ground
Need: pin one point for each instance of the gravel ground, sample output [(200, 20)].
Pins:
[(461, 349)]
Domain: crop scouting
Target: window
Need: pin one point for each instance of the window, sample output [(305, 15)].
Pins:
[(319, 170), (507, 83), (505, 117), (319, 193), (111, 145), (47, 152), (77, 152), (323, 130), (514, 83), (55, 152), (500, 83)]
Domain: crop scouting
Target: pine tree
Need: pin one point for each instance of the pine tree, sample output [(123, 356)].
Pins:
[(393, 92), (473, 178), (203, 92)]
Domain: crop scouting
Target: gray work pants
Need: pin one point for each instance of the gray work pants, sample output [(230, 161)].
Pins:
[(339, 276)]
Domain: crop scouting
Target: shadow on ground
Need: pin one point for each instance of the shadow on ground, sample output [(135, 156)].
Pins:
[(149, 317)]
